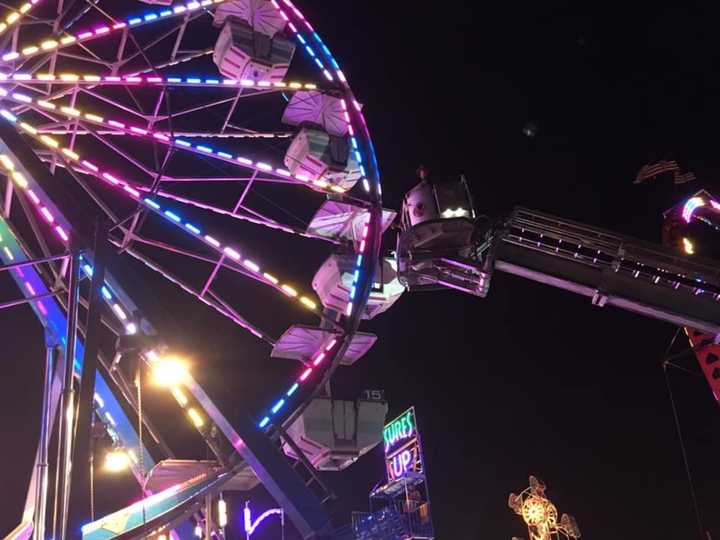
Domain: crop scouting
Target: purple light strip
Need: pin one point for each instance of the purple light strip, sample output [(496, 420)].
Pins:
[(250, 525)]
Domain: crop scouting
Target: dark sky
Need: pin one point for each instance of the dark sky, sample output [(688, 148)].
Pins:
[(530, 380)]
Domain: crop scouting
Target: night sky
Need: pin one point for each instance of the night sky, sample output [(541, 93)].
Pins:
[(530, 380)]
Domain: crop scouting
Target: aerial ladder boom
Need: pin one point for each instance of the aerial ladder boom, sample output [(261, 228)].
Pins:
[(444, 244), (612, 270)]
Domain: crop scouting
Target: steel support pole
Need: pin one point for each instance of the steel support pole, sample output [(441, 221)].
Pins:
[(42, 466), (67, 426), (79, 509), (208, 517)]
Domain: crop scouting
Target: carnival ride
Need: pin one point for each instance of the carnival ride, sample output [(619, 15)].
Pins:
[(114, 149), (540, 515)]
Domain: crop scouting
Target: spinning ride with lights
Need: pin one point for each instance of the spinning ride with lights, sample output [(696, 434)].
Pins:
[(540, 515), (115, 148)]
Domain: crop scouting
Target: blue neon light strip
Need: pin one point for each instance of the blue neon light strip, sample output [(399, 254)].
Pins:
[(53, 318)]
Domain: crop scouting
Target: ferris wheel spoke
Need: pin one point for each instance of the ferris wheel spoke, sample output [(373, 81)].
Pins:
[(93, 58), (222, 262), (206, 299), (265, 222), (179, 59), (262, 221)]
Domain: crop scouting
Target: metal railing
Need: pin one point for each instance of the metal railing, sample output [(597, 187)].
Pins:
[(399, 521)]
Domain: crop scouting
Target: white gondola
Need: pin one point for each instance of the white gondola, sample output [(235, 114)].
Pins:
[(316, 109), (333, 283), (317, 155), (259, 14), (344, 220), (333, 434), (243, 53), (300, 342)]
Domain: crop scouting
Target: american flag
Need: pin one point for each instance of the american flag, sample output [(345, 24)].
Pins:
[(650, 171), (683, 178)]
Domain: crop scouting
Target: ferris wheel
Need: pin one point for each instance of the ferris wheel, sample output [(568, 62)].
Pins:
[(194, 137)]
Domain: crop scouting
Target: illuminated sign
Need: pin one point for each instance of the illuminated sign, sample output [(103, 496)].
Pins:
[(403, 452), (399, 431)]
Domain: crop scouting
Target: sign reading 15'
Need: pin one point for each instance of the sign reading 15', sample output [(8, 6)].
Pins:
[(402, 446)]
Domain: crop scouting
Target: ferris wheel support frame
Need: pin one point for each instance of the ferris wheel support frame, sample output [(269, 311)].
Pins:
[(369, 247)]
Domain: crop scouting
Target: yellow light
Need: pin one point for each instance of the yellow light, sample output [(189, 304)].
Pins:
[(46, 104), (169, 371), (69, 77), (179, 396), (19, 179), (67, 39), (272, 279), (91, 77), (25, 8), (70, 111), (195, 417), (30, 50), (321, 183), (534, 511), (295, 85), (307, 302), (338, 189), (28, 128), (49, 44), (7, 162), (222, 513), (69, 153), (14, 16), (288, 289), (3, 27), (688, 246), (49, 141), (94, 117), (116, 461), (46, 76)]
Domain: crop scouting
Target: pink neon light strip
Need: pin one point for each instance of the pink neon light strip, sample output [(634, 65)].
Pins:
[(161, 82), (135, 131), (71, 39), (132, 191)]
